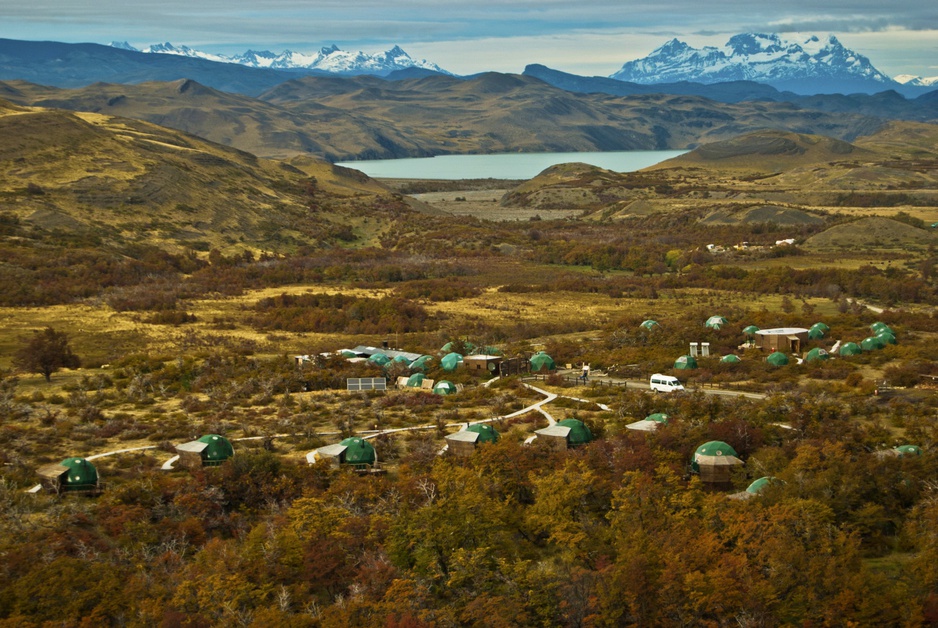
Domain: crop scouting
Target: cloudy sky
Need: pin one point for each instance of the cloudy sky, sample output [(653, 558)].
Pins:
[(589, 37)]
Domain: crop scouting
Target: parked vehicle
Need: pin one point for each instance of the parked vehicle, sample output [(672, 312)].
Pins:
[(665, 383)]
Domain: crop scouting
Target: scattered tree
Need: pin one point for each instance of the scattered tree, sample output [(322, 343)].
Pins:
[(46, 352)]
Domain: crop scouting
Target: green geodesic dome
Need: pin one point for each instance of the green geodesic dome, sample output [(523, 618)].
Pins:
[(716, 322), (649, 324), (450, 361), (81, 476), (347, 353), (218, 450), (730, 358), (579, 434), (909, 450), (358, 451), (817, 354), (756, 487), (444, 387), (872, 343), (816, 332), (777, 359), (415, 380), (822, 326), (487, 433), (887, 337), (540, 361), (750, 330), (685, 363), (714, 449), (421, 363), (658, 417), (381, 359), (850, 348), (878, 327)]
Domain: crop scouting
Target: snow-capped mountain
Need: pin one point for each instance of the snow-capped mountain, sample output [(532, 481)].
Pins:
[(765, 58), (917, 81), (329, 59)]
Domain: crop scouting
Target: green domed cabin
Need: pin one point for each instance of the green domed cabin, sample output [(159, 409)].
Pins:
[(565, 434), (540, 361), (714, 461), (445, 387), (850, 348), (451, 361), (72, 475), (817, 354), (730, 358), (210, 450), (777, 359), (354, 452), (872, 343), (685, 363), (716, 322), (650, 423), (464, 442), (649, 325)]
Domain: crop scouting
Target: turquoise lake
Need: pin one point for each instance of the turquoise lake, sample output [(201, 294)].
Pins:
[(505, 165)]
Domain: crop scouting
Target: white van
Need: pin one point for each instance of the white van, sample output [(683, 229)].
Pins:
[(664, 383)]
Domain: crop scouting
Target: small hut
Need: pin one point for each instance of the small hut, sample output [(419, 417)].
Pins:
[(565, 434), (786, 339), (465, 441), (714, 461), (685, 363), (355, 452), (482, 364), (72, 475), (208, 451)]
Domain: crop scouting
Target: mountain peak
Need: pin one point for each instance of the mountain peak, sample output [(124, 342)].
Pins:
[(761, 57)]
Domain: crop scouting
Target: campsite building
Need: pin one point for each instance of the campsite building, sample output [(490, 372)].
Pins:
[(465, 441), (72, 475), (565, 434), (714, 461), (355, 452), (783, 339), (208, 451), (482, 364)]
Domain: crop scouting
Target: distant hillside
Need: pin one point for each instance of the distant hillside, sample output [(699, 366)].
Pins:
[(769, 151), (121, 181), (369, 118), (874, 232)]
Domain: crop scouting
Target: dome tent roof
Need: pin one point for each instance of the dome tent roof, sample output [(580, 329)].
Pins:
[(420, 364), (487, 433), (579, 434), (358, 451), (658, 417), (714, 453), (444, 387), (850, 348), (816, 333), (415, 380), (379, 358), (887, 337), (822, 326), (650, 423), (878, 327), (872, 343), (817, 354), (649, 324), (730, 358), (777, 359), (757, 486), (909, 450), (450, 361), (81, 476), (716, 322), (685, 362), (541, 361), (217, 450), (750, 329)]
